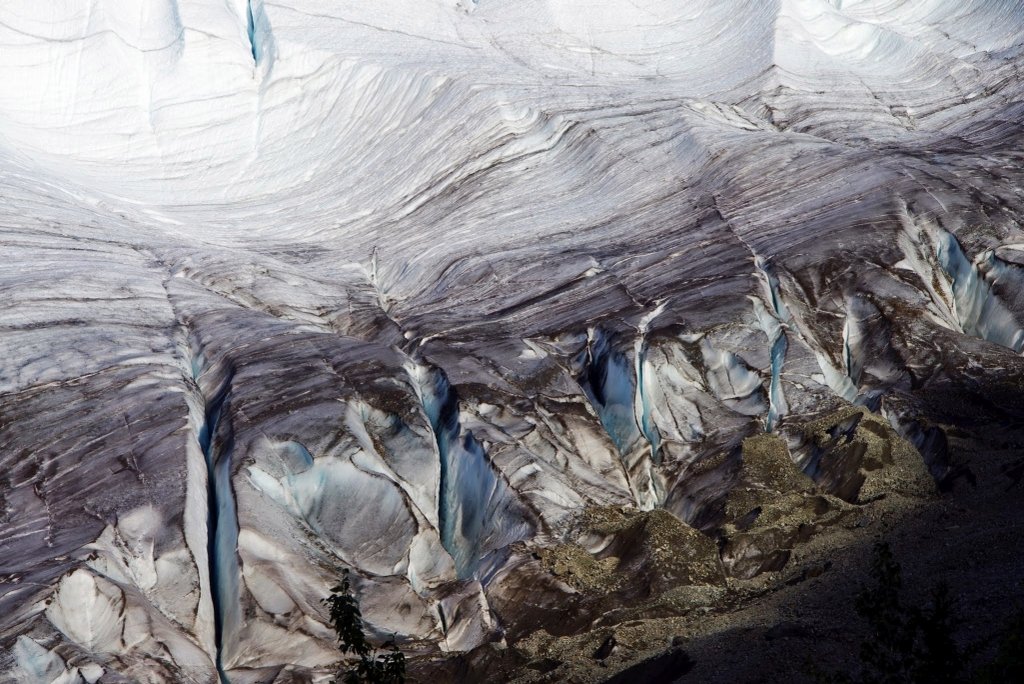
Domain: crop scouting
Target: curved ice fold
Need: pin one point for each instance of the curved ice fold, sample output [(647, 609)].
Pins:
[(732, 381), (320, 494), (34, 663)]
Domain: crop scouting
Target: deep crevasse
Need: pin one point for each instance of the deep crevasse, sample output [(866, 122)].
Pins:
[(216, 439)]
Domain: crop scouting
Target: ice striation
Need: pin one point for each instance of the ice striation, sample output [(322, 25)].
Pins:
[(448, 292)]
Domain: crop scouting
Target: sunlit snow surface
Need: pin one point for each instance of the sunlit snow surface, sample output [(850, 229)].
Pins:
[(415, 280)]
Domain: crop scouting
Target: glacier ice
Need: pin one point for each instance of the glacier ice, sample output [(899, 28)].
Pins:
[(414, 288)]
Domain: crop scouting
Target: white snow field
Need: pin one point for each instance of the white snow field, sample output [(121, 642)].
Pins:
[(407, 286)]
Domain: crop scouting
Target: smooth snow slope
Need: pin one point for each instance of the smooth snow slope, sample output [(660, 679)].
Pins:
[(405, 286)]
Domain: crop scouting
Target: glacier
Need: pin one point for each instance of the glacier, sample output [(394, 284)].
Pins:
[(491, 303)]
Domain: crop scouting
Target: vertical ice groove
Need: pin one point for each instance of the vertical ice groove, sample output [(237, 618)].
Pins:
[(216, 440), (609, 384), (643, 411), (642, 404), (374, 277), (771, 284), (847, 355), (777, 343), (258, 32), (961, 290), (469, 489), (856, 331), (195, 521), (836, 380), (613, 386), (771, 324), (977, 309), (250, 26), (431, 390)]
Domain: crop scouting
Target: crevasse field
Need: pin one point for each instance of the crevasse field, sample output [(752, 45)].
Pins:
[(542, 316)]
